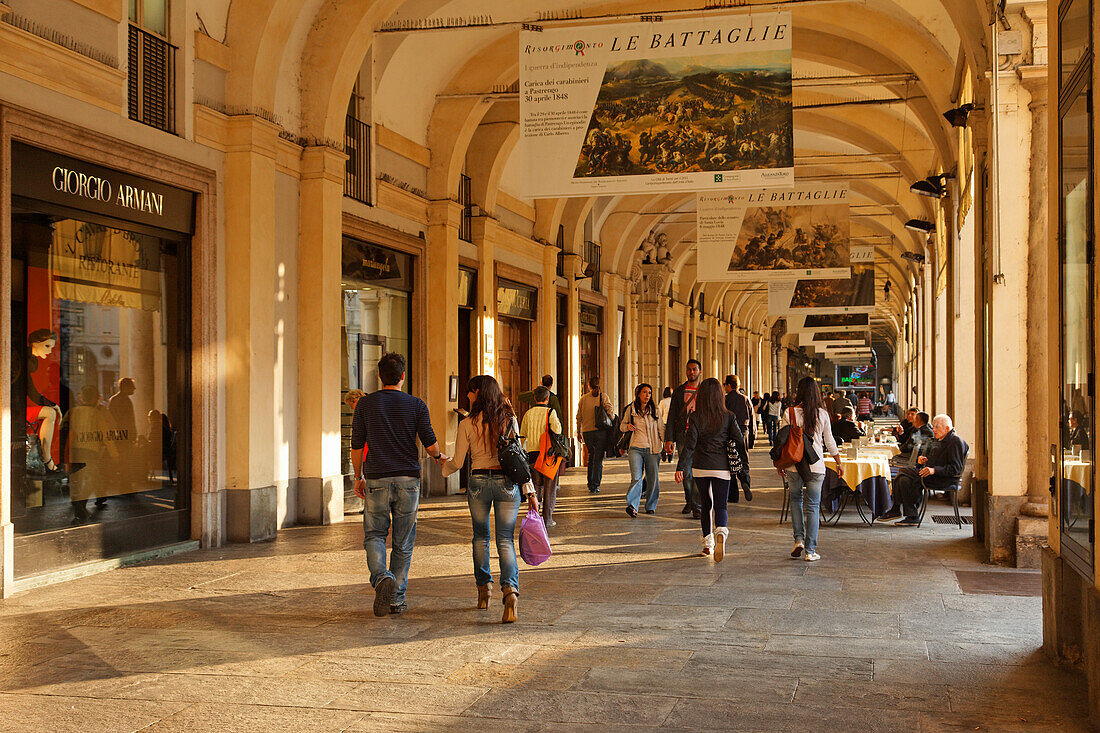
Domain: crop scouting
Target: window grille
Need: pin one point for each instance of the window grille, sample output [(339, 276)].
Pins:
[(357, 178), (465, 224), (592, 257), (150, 75)]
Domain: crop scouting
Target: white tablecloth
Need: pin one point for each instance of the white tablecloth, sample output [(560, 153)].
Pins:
[(1079, 472), (879, 450)]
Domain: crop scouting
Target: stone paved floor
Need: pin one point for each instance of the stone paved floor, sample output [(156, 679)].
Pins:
[(625, 626)]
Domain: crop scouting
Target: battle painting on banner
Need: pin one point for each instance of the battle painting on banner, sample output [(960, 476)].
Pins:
[(855, 294), (682, 105), (768, 235), (817, 322)]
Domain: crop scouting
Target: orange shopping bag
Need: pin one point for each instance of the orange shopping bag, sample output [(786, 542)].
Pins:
[(546, 464)]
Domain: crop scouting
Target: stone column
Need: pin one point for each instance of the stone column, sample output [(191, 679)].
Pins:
[(610, 346), (548, 313), (653, 324), (251, 497), (482, 233), (572, 340), (441, 344), (320, 497)]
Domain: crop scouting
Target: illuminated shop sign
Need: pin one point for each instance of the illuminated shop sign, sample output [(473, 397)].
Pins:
[(47, 176)]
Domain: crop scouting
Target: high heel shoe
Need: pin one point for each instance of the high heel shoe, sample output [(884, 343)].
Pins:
[(483, 593), (510, 597)]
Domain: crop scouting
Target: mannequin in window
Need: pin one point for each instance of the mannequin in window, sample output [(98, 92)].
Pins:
[(40, 407)]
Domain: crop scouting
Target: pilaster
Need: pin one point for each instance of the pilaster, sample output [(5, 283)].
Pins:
[(251, 501), (320, 250), (441, 279)]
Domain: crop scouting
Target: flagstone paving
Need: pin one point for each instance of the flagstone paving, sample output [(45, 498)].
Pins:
[(625, 627)]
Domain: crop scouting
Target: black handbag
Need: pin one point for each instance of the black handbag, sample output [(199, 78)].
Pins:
[(561, 446), (737, 466), (622, 445), (603, 420), (512, 456)]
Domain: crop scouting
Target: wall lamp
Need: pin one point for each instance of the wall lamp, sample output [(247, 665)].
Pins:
[(920, 225), (589, 271), (913, 257), (957, 117), (933, 187)]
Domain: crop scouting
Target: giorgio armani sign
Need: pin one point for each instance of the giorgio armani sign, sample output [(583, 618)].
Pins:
[(47, 176)]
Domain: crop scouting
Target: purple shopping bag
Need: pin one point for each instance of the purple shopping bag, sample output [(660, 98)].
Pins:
[(534, 543)]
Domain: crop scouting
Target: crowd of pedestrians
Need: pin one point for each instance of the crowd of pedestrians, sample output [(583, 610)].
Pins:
[(709, 425)]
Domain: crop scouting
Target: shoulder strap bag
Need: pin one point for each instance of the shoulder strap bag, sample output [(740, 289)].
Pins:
[(737, 465), (512, 456), (603, 420), (788, 448), (623, 442), (548, 464)]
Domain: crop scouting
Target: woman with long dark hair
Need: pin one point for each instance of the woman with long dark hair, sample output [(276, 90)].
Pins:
[(808, 412), (642, 420), (710, 428), (490, 417)]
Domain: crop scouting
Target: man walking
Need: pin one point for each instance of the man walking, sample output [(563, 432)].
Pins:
[(387, 423), (595, 439), (679, 412)]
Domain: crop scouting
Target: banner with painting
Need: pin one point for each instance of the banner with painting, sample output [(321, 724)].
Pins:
[(855, 294), (835, 339), (681, 105), (772, 235), (816, 322)]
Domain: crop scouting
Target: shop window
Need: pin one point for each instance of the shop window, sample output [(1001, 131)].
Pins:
[(1076, 472), (100, 375), (151, 67), (357, 172)]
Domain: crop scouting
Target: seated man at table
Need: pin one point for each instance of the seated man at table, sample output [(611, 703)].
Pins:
[(846, 429), (919, 436), (905, 429), (939, 469)]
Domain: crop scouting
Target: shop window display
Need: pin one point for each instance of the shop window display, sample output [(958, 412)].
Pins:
[(100, 363)]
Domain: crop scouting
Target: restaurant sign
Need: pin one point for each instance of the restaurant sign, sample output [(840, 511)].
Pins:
[(516, 301), (591, 318)]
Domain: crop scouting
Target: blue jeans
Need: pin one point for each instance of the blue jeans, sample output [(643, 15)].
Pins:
[(504, 498), (806, 496), (771, 426), (644, 464), (397, 497), (691, 493)]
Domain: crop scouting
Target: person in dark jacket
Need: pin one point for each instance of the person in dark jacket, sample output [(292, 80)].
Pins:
[(846, 429), (940, 469), (918, 438), (705, 451), (676, 423), (905, 429), (737, 402)]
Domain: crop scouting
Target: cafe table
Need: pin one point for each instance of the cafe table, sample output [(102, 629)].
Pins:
[(866, 483), (879, 450), (1077, 487)]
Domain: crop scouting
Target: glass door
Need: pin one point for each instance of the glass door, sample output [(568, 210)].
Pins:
[(1075, 470)]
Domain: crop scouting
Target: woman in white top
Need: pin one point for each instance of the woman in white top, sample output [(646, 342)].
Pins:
[(810, 415), (662, 412), (643, 420)]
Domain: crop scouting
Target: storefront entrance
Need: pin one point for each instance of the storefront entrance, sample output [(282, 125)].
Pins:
[(377, 283), (516, 309), (100, 386)]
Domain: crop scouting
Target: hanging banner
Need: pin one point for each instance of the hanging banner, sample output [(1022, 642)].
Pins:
[(833, 339), (681, 105), (816, 322), (774, 234), (855, 294)]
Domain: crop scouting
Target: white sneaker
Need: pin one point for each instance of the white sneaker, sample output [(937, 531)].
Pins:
[(797, 551), (720, 543), (708, 544), (812, 557)]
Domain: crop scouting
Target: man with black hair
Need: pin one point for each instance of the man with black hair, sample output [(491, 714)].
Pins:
[(679, 411), (920, 434), (384, 430)]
